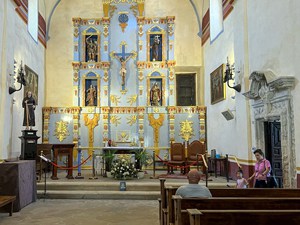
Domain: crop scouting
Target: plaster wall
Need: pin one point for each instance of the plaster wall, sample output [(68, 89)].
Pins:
[(59, 71), (17, 45), (274, 45), (257, 36), (227, 137)]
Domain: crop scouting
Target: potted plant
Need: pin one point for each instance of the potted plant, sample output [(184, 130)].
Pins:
[(108, 157), (142, 158)]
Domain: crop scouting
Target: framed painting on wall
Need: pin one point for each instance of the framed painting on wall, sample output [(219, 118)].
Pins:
[(217, 87), (32, 83)]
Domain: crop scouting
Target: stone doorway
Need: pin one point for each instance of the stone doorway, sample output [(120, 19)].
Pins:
[(272, 101)]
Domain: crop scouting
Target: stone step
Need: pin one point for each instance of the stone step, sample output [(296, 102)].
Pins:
[(98, 186), (74, 194)]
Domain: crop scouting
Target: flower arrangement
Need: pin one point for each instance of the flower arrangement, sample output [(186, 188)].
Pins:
[(123, 169)]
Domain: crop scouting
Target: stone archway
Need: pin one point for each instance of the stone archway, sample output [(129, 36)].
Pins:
[(272, 100)]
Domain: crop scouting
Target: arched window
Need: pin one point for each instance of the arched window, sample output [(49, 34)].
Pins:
[(33, 19)]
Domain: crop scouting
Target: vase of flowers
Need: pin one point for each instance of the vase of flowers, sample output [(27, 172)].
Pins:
[(123, 169)]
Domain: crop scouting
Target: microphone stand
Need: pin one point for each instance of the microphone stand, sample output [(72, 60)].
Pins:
[(42, 156)]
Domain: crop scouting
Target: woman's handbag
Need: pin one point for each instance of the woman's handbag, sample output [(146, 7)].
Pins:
[(272, 182)]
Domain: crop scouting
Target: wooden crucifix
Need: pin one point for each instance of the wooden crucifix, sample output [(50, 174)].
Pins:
[(123, 57)]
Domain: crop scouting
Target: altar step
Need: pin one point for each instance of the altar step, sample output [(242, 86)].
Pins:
[(98, 190)]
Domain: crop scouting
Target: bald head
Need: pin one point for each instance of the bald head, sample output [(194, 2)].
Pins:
[(193, 177)]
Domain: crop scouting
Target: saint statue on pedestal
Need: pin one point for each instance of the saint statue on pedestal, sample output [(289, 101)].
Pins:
[(91, 46), (155, 48), (29, 106), (155, 95), (91, 95)]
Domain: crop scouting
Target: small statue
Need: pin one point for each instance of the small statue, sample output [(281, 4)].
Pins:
[(91, 95), (123, 70), (155, 95), (29, 106), (155, 48), (91, 49)]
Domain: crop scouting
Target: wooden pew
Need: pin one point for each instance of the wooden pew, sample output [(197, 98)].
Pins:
[(228, 192), (230, 203), (8, 203), (162, 201), (245, 217), (166, 205)]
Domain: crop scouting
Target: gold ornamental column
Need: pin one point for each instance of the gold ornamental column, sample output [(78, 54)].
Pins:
[(91, 124), (141, 113), (156, 124), (105, 111), (46, 118)]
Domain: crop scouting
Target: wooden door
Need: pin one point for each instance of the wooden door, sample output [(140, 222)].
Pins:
[(273, 148)]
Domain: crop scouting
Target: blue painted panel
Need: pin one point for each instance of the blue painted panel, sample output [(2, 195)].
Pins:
[(52, 126)]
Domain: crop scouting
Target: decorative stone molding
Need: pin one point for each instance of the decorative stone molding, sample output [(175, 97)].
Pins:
[(272, 100)]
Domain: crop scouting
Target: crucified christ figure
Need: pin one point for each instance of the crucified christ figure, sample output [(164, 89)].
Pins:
[(123, 70)]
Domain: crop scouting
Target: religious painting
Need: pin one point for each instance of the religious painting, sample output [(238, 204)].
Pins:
[(91, 91), (32, 83), (91, 45), (155, 42), (156, 90), (217, 86)]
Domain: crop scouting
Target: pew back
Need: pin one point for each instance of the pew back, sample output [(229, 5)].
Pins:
[(233, 203), (245, 217)]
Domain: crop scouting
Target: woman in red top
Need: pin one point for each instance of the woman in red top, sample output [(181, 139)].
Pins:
[(262, 170)]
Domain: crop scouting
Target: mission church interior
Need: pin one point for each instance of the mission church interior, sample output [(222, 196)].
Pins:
[(88, 77)]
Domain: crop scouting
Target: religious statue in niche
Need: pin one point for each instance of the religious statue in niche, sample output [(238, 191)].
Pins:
[(91, 48), (91, 95), (155, 94), (155, 47), (91, 92)]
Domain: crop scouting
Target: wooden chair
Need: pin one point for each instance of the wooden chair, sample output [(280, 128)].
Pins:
[(177, 155), (193, 150)]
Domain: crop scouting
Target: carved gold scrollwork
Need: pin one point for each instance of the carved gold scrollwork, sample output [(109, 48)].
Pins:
[(156, 124), (132, 100), (115, 120), (186, 130), (61, 130), (91, 124), (131, 120), (115, 99)]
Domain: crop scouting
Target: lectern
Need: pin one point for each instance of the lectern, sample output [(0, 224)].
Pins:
[(28, 144)]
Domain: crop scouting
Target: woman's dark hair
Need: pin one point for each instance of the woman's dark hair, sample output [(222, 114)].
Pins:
[(239, 171), (259, 151)]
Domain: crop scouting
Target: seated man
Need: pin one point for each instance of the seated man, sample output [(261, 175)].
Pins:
[(193, 189)]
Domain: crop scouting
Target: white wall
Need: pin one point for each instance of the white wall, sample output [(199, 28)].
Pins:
[(227, 137), (258, 35), (17, 44), (274, 44)]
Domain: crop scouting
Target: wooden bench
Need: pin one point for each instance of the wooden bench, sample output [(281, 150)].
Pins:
[(230, 203), (7, 202), (245, 217), (167, 211)]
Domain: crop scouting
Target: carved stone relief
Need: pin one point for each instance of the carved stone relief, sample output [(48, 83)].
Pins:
[(272, 100)]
